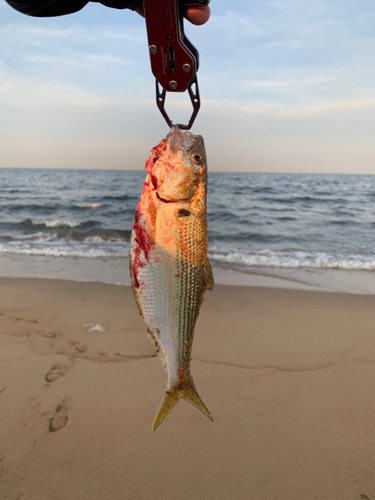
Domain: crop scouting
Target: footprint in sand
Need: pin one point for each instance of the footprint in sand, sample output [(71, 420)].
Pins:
[(56, 371), (79, 347), (50, 335), (27, 320), (82, 347), (61, 417)]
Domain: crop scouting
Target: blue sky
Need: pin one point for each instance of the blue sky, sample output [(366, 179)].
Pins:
[(286, 85)]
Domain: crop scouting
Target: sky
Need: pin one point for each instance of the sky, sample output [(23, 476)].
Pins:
[(285, 85)]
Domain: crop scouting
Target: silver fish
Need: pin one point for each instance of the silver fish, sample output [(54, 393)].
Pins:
[(169, 268)]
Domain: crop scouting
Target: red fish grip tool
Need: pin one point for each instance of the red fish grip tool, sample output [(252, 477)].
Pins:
[(174, 59)]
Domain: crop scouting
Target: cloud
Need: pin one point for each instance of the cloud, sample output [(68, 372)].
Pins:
[(297, 112), (256, 84), (330, 107), (87, 61), (17, 33), (314, 8)]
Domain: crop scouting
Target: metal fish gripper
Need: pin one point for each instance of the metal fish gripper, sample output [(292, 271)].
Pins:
[(174, 59)]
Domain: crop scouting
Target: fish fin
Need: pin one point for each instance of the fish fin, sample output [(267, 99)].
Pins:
[(167, 404), (208, 276), (171, 398), (189, 393)]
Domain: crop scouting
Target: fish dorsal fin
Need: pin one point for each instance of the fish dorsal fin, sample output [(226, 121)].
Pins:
[(208, 276)]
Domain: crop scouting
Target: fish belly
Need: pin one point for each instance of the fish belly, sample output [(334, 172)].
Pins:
[(170, 294)]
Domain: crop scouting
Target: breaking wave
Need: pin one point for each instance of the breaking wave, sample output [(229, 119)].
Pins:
[(255, 220), (88, 248), (296, 259), (88, 205)]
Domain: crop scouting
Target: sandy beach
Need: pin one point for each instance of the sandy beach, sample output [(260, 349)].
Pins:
[(288, 376)]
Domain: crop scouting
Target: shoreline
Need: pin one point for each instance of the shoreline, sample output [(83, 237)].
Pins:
[(115, 271), (286, 374)]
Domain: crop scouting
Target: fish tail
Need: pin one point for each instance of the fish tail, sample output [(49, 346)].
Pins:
[(189, 393), (170, 399)]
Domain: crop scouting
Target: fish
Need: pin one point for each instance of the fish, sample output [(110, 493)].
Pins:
[(169, 268)]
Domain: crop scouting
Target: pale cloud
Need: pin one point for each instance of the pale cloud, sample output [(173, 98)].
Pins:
[(294, 44), (19, 32), (328, 107), (87, 61), (29, 31), (313, 7), (279, 111), (137, 38), (89, 102), (238, 27), (255, 84)]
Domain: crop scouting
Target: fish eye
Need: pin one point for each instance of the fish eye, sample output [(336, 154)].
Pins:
[(196, 159)]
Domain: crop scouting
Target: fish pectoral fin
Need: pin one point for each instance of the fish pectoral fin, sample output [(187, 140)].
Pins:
[(171, 398), (208, 276)]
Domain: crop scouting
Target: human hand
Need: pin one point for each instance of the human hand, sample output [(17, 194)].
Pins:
[(197, 15)]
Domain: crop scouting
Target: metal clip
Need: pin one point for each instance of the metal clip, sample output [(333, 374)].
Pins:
[(174, 59), (194, 98)]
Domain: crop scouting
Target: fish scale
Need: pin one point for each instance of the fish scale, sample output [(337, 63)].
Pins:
[(169, 268)]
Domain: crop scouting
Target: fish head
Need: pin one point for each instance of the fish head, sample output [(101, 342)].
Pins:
[(178, 165)]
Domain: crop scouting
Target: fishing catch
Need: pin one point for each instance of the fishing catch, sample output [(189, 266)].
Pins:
[(169, 267)]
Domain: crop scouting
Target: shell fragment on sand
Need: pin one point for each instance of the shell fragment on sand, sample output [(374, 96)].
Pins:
[(95, 327)]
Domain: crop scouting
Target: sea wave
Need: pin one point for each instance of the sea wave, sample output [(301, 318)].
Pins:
[(30, 225), (56, 223), (88, 205), (89, 249), (296, 259), (27, 224), (95, 246), (254, 220), (33, 207)]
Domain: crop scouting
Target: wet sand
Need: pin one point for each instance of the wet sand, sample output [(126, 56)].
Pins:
[(288, 376)]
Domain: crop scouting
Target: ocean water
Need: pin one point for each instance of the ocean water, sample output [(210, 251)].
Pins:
[(295, 226)]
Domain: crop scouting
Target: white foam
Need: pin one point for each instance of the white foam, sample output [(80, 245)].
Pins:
[(296, 259), (66, 249), (33, 236), (50, 245), (89, 205), (93, 239), (55, 223)]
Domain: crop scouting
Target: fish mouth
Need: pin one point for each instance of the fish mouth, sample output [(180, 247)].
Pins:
[(178, 139), (175, 138), (172, 201)]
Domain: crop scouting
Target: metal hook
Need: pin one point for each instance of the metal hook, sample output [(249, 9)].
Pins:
[(194, 98)]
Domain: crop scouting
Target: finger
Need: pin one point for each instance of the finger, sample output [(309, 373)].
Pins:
[(196, 15), (139, 10)]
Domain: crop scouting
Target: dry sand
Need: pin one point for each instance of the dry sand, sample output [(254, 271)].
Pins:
[(288, 375)]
